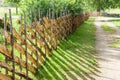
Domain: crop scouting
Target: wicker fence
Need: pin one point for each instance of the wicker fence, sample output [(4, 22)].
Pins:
[(27, 49)]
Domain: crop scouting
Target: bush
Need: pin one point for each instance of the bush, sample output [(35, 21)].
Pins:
[(73, 6)]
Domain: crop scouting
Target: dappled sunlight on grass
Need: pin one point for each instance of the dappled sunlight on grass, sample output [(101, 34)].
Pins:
[(74, 58), (108, 29), (115, 43), (116, 22)]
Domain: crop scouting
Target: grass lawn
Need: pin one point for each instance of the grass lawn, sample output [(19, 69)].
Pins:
[(108, 29), (74, 59), (1, 42), (116, 22), (115, 43)]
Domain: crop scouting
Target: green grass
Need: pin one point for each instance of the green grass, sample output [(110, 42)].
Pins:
[(1, 42), (108, 29), (115, 43), (1, 36), (116, 22), (74, 59)]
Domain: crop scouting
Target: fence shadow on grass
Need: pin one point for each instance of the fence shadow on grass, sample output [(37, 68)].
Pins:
[(74, 58)]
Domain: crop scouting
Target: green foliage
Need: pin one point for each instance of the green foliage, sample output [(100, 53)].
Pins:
[(106, 4), (75, 7), (13, 2)]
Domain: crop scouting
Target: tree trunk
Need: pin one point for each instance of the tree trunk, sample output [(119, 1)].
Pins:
[(98, 7)]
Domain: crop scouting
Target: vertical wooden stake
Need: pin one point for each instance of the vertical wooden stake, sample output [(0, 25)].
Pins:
[(12, 45), (31, 17), (40, 21), (35, 19), (47, 15), (56, 15), (26, 46), (50, 13), (53, 15), (39, 13), (55, 39), (60, 13), (23, 43), (44, 37), (5, 42)]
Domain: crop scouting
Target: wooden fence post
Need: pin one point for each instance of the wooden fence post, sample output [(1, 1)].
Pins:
[(30, 17), (58, 26), (47, 17), (53, 16), (26, 55), (68, 26), (21, 43), (40, 19), (57, 15), (61, 13), (54, 28), (49, 14), (5, 42), (35, 19), (12, 45), (50, 17), (68, 18), (61, 29), (39, 14)]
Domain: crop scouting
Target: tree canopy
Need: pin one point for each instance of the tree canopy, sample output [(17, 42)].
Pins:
[(13, 2), (72, 5), (106, 4), (75, 7)]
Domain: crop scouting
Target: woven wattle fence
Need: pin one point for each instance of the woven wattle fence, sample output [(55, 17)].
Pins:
[(26, 49)]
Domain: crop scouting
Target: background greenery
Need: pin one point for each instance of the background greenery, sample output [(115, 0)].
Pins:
[(75, 7)]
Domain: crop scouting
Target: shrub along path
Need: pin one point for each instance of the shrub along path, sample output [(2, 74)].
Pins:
[(108, 53)]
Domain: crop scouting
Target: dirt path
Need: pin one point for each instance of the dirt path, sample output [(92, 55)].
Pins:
[(108, 58)]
